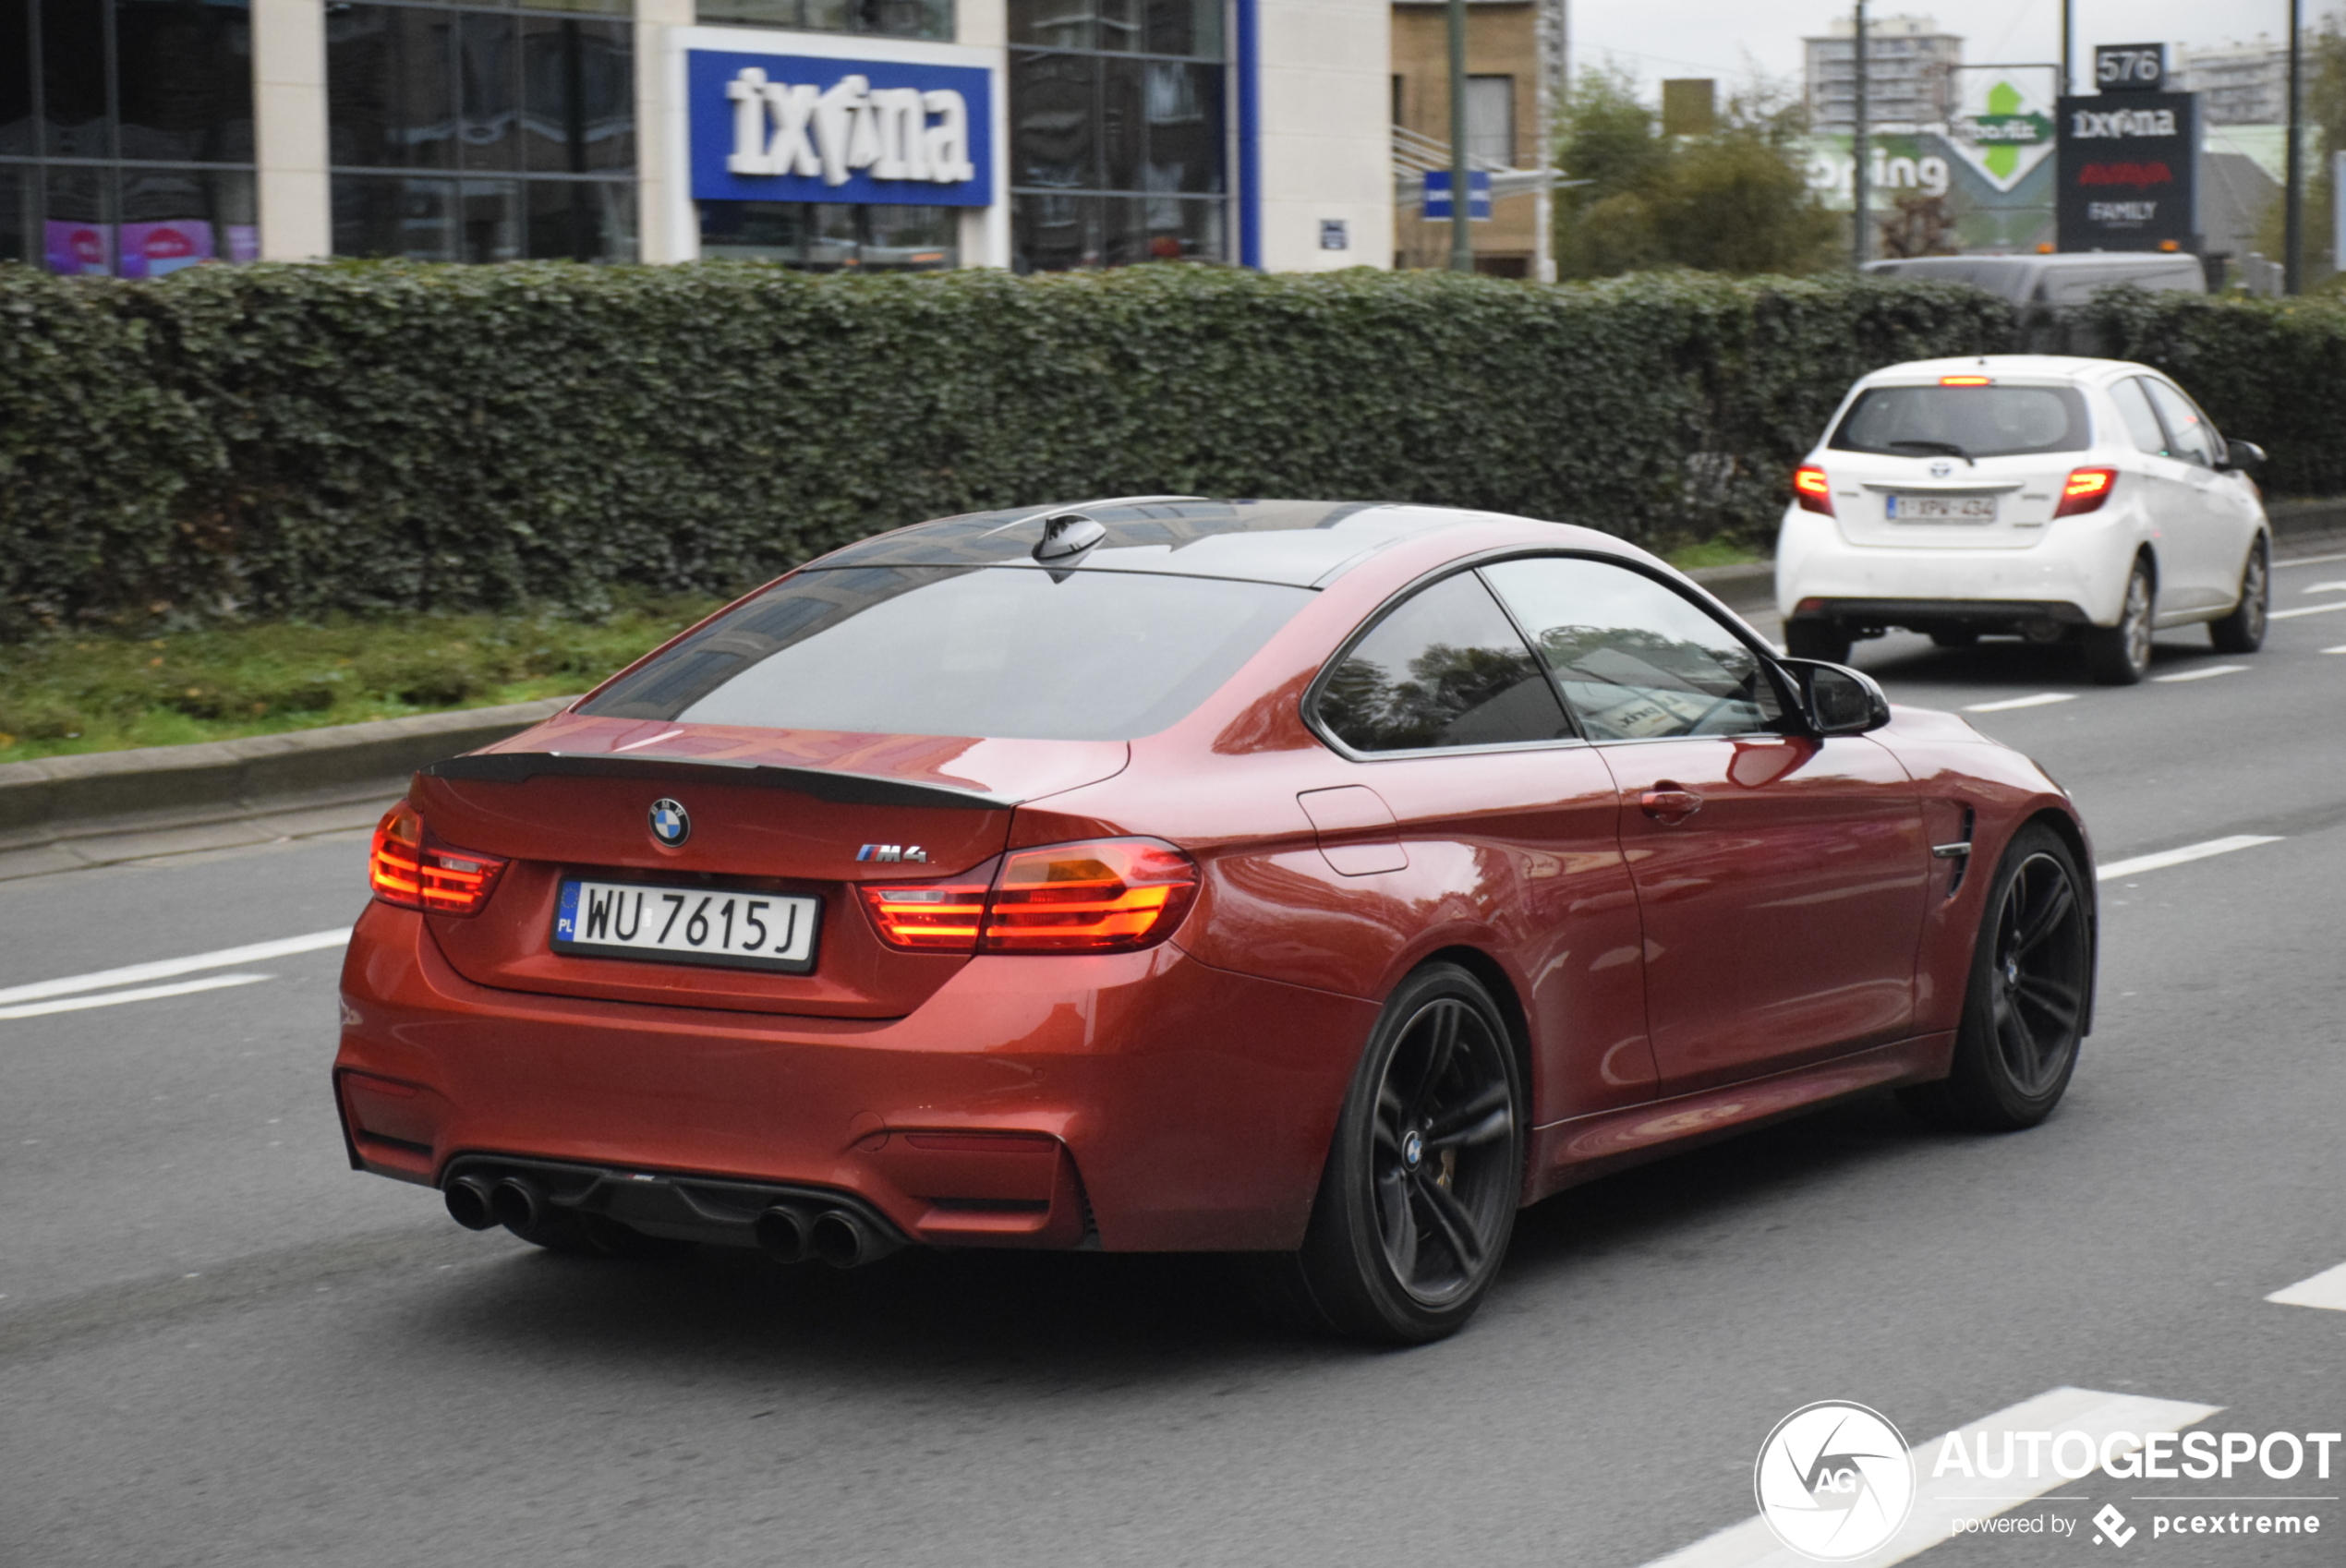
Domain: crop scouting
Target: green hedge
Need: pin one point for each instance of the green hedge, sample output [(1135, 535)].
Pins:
[(291, 439), (2267, 371)]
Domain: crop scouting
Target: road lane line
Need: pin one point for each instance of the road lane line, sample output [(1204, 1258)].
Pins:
[(2325, 1289), (2209, 674), (163, 969), (1940, 1500), (2308, 561), (2183, 856), (2340, 648), (114, 998), (2325, 589), (2306, 610), (2042, 699)]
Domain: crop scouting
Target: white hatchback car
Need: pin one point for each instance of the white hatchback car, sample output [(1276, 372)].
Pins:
[(2063, 500)]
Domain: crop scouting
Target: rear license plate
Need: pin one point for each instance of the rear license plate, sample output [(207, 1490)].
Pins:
[(1903, 508), (687, 925)]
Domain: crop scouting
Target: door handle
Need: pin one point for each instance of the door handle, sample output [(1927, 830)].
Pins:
[(1668, 803)]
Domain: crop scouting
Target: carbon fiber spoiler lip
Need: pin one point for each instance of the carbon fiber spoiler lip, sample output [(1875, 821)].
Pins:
[(824, 784)]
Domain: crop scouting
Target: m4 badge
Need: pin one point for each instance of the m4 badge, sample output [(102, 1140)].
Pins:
[(893, 852)]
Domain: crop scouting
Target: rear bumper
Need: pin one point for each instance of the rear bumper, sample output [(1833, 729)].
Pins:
[(1988, 615), (2079, 565), (1143, 1099)]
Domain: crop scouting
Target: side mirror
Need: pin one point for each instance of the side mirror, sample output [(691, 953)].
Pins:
[(2245, 456), (1837, 699)]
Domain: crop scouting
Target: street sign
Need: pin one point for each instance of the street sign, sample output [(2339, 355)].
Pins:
[(2129, 172), (2130, 68), (1437, 194)]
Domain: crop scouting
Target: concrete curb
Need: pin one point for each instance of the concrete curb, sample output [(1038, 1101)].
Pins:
[(167, 786), (1746, 586)]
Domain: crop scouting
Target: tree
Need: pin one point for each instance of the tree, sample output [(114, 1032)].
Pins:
[(1736, 199)]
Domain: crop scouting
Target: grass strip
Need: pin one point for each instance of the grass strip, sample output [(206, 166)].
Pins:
[(86, 693)]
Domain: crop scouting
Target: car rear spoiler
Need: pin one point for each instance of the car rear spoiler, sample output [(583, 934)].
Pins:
[(824, 784)]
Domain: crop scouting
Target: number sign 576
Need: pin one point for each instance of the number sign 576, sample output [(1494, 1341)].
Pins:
[(2131, 67)]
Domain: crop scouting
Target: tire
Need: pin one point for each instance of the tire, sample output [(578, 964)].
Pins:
[(1395, 1253), (2120, 654), (1954, 637), (1817, 639), (2031, 974), (2242, 632)]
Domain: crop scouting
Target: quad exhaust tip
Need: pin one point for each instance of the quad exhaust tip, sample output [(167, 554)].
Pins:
[(517, 1204), (471, 1203), (784, 1233)]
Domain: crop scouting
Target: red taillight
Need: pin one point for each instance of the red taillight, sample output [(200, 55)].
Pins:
[(1110, 896), (1811, 490), (403, 869), (2086, 489), (938, 918)]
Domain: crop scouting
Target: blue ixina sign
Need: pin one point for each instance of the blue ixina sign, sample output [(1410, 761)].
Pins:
[(796, 127)]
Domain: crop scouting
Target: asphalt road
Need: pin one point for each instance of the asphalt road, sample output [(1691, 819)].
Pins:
[(219, 1345)]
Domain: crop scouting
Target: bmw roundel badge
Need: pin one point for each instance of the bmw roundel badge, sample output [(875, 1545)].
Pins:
[(671, 824)]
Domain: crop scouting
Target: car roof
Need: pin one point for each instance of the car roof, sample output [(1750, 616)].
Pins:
[(2030, 367), (1300, 543)]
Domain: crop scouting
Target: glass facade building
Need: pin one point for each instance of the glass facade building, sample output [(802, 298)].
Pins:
[(139, 137), (464, 134), (126, 135), (1120, 132)]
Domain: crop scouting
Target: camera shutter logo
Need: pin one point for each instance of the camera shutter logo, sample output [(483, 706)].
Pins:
[(1834, 1481), (670, 823)]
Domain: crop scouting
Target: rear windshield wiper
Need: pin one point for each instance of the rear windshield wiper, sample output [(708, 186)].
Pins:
[(1949, 448)]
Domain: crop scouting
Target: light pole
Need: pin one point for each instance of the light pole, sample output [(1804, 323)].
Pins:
[(1461, 198), (2292, 243), (1858, 146)]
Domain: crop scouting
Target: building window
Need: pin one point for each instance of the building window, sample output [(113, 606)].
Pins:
[(1490, 105), (126, 135), (890, 18), (1118, 132), (471, 135), (832, 236)]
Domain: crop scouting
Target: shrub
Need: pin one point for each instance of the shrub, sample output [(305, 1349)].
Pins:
[(299, 440)]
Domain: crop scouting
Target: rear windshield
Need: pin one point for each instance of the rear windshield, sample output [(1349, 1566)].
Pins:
[(1001, 652), (1964, 421)]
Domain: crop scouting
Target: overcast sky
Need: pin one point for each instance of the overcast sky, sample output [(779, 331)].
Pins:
[(1727, 37)]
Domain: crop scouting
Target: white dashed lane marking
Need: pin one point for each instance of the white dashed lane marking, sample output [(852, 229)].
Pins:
[(164, 969), (2325, 1289), (1940, 1500), (2042, 699), (2212, 671), (2183, 856), (2306, 610), (144, 994)]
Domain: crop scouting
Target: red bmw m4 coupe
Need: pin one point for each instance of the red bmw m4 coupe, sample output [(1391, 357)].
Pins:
[(1319, 881)]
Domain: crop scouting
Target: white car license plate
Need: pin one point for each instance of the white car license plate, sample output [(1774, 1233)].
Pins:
[(691, 925), (1903, 507)]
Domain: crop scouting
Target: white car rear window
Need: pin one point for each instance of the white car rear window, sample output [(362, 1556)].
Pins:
[(1965, 421)]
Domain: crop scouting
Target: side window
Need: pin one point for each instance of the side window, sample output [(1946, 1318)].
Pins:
[(1444, 669), (2142, 425), (2192, 440), (1636, 660)]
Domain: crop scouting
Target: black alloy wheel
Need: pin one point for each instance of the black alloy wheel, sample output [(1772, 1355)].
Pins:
[(2242, 631), (2024, 1010), (1418, 1195), (2120, 654)]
